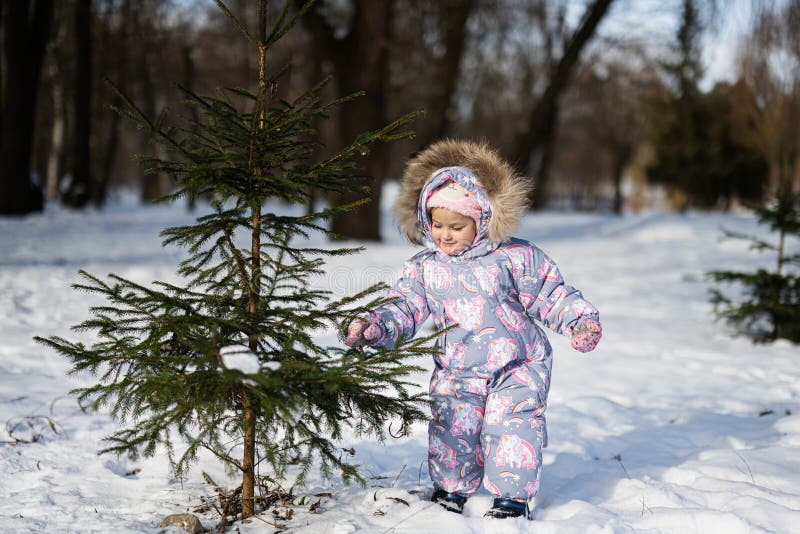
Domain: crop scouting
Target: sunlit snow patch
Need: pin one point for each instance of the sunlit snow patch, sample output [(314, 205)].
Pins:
[(241, 358)]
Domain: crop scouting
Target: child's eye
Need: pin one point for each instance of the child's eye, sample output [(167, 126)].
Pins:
[(457, 228)]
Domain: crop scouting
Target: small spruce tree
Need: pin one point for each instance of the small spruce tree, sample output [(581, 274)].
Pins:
[(160, 353), (770, 306)]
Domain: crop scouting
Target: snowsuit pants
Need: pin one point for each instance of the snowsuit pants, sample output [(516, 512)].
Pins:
[(490, 430)]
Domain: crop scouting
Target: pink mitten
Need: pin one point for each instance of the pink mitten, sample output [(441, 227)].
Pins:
[(586, 335), (362, 332)]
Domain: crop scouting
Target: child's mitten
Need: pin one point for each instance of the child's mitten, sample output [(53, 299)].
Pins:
[(586, 335), (363, 332)]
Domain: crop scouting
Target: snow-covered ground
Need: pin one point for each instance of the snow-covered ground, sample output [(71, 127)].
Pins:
[(671, 425)]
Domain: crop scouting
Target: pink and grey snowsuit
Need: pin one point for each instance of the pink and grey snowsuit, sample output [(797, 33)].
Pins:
[(490, 383)]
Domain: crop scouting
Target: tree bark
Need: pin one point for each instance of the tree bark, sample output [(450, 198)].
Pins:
[(621, 158), (361, 63), (248, 459), (188, 84), (537, 139), (438, 124), (55, 158), (26, 31), (2, 72), (100, 189), (249, 411), (254, 304), (80, 188), (151, 183)]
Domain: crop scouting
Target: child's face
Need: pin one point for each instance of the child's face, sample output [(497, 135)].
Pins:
[(451, 231)]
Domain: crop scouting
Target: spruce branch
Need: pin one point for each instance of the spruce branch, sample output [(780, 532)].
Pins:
[(140, 117), (281, 27), (236, 22)]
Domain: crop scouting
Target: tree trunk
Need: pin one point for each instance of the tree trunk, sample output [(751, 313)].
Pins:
[(55, 158), (248, 459), (537, 139), (361, 63), (2, 72), (100, 189), (249, 414), (26, 31), (254, 304), (151, 187), (188, 84), (455, 16), (621, 158), (80, 188)]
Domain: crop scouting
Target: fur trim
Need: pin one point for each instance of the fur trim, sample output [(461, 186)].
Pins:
[(507, 191)]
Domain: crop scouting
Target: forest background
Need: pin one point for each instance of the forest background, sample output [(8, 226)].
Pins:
[(612, 105)]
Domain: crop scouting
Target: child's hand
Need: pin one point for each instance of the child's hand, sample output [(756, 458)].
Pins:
[(586, 335), (362, 332)]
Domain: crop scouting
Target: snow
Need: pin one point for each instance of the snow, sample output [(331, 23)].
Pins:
[(671, 425), (240, 358)]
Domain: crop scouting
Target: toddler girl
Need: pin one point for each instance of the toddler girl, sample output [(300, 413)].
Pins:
[(489, 387)]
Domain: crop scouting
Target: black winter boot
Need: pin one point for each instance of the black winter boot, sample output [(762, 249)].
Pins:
[(452, 502), (504, 507)]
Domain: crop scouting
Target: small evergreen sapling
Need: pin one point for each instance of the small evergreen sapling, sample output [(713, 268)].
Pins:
[(162, 353), (770, 308)]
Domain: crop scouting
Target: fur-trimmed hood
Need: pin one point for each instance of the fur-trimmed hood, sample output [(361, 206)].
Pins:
[(507, 193)]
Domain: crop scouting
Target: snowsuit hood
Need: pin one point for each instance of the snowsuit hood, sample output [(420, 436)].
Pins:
[(502, 194)]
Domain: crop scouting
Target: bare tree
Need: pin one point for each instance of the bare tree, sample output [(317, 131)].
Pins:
[(55, 79), (79, 191), (519, 61), (2, 70), (604, 125), (114, 39), (145, 30), (535, 142), (356, 42), (770, 72), (430, 46), (26, 29)]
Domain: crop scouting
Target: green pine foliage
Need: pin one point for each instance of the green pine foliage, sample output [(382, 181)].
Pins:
[(695, 151), (769, 307), (246, 282)]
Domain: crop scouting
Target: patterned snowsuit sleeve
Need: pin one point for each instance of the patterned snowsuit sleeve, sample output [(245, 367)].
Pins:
[(547, 298), (402, 317)]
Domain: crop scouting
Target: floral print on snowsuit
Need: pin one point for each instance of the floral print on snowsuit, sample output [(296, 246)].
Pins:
[(491, 379)]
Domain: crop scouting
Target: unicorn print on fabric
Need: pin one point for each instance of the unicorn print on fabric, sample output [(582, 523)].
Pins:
[(511, 318), (501, 351), (442, 453), (467, 419), (438, 276), (515, 452), (496, 407), (454, 354), (466, 312), (487, 278)]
